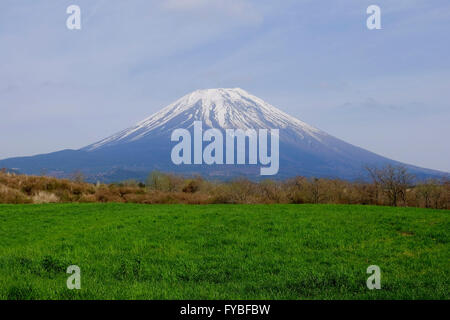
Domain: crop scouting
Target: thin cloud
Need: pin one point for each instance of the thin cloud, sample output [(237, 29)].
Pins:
[(238, 9)]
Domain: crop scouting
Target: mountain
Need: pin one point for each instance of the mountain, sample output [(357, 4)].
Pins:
[(146, 146)]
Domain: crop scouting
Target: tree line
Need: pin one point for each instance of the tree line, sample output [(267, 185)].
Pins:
[(388, 185)]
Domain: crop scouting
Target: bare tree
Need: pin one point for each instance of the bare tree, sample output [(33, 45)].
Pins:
[(315, 190), (393, 180), (429, 191), (78, 176), (155, 180), (163, 181)]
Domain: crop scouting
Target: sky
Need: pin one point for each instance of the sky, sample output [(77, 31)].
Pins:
[(386, 90)]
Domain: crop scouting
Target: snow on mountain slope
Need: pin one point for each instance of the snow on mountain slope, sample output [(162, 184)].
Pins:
[(217, 108)]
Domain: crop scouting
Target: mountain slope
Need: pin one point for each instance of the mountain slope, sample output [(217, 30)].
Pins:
[(133, 152)]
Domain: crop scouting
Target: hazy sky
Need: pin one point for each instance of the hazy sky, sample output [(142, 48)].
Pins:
[(386, 90)]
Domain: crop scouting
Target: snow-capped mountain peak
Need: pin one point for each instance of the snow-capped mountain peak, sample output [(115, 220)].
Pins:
[(216, 108)]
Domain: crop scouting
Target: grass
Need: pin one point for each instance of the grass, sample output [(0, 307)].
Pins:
[(132, 251)]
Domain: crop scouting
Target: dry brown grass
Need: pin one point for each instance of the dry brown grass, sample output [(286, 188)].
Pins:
[(45, 197), (10, 195)]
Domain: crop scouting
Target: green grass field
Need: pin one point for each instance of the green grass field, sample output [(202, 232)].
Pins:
[(128, 251)]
